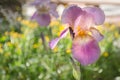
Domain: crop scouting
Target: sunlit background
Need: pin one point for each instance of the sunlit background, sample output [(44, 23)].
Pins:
[(25, 54)]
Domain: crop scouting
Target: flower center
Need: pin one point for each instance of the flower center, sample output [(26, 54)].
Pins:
[(81, 32)]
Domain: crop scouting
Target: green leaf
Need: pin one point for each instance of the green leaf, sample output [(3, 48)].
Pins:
[(76, 74)]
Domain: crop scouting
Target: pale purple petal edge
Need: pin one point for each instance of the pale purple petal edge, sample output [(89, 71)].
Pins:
[(70, 14), (98, 14), (96, 34), (54, 42)]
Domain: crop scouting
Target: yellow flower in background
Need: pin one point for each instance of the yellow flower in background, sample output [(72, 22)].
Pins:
[(1, 50), (105, 54), (55, 49), (61, 28), (58, 33), (47, 38), (54, 23), (15, 34), (54, 30), (32, 25), (107, 24), (25, 22), (35, 45), (9, 43), (116, 34), (40, 41), (22, 36), (68, 51), (29, 23), (19, 19), (6, 33), (112, 27)]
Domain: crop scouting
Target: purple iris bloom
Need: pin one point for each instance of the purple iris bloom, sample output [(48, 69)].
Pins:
[(44, 8), (81, 24)]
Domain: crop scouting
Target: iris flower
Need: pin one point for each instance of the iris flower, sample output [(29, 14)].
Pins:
[(44, 8), (82, 27)]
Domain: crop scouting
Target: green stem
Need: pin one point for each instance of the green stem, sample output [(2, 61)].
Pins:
[(43, 40), (76, 70)]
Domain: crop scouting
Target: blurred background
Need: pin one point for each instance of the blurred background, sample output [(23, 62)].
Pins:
[(24, 50)]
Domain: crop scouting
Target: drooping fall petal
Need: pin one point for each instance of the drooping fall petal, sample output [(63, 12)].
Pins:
[(70, 14), (42, 19), (85, 50), (98, 14), (96, 34), (54, 42)]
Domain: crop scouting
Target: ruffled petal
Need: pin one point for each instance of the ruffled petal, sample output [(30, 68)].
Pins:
[(70, 14), (85, 50), (54, 42), (96, 34), (83, 22), (98, 14), (42, 19)]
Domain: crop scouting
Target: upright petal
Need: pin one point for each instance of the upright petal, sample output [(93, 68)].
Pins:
[(40, 2), (83, 22), (54, 42), (54, 13), (52, 9), (96, 34), (85, 50), (70, 14), (42, 19), (98, 14)]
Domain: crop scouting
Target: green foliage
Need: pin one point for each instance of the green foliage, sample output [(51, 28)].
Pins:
[(25, 56)]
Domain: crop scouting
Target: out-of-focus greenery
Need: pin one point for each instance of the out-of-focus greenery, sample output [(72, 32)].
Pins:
[(24, 55)]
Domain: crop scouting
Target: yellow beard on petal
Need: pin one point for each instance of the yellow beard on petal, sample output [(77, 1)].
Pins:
[(82, 32), (89, 33), (82, 39)]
